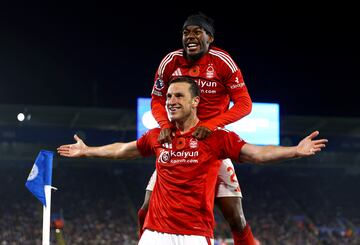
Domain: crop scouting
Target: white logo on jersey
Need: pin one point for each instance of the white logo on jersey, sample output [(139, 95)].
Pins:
[(159, 84), (239, 85), (193, 143), (210, 71), (177, 72), (184, 154), (167, 145), (166, 156), (204, 83)]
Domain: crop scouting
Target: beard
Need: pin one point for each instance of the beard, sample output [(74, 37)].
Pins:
[(194, 57)]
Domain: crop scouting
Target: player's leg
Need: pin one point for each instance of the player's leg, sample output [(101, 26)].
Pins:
[(229, 201), (144, 208), (231, 208)]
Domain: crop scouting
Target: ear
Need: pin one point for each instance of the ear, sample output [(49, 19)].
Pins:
[(210, 39), (196, 101)]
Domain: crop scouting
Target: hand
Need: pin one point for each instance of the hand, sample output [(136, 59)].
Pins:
[(73, 150), (308, 146), (201, 132), (165, 136)]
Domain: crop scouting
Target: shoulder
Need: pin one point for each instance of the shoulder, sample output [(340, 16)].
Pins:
[(151, 134), (218, 135), (221, 133), (176, 53), (168, 59), (220, 50), (230, 142), (154, 131), (149, 139), (223, 57)]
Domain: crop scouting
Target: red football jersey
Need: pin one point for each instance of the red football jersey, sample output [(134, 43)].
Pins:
[(220, 80), (182, 201)]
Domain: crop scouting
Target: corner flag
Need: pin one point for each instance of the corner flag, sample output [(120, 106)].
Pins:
[(39, 184), (40, 175)]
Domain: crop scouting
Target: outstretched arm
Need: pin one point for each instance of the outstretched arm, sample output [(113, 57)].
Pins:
[(114, 151), (262, 154)]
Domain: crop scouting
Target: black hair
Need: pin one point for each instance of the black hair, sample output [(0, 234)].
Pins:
[(194, 88), (200, 19)]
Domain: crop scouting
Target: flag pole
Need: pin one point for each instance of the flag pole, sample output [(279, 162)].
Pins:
[(39, 184), (46, 216)]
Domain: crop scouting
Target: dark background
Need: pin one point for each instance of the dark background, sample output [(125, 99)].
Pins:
[(302, 55)]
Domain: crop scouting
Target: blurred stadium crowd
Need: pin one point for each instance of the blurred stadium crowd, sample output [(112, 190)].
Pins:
[(311, 201), (98, 200)]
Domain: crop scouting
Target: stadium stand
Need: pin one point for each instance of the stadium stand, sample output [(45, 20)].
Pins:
[(305, 201)]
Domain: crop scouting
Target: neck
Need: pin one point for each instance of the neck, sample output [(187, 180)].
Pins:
[(196, 57), (187, 124)]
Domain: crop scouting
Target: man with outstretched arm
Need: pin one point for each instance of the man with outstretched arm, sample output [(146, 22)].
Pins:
[(220, 81), (182, 202)]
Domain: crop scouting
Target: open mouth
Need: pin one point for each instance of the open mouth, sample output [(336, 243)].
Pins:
[(192, 46)]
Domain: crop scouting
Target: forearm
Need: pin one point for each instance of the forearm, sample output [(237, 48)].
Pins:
[(308, 146), (267, 154), (277, 153), (240, 109), (159, 112), (113, 151)]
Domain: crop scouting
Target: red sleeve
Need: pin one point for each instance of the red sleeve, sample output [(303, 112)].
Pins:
[(231, 144), (158, 94), (239, 94), (146, 143), (159, 112)]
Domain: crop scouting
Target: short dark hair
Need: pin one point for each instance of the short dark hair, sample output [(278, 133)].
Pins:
[(200, 19), (194, 88)]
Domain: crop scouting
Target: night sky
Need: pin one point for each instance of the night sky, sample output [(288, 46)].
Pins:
[(105, 54)]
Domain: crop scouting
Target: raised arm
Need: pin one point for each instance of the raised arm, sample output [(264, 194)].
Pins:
[(158, 94), (238, 92), (263, 154), (158, 100), (241, 108), (159, 112), (112, 151)]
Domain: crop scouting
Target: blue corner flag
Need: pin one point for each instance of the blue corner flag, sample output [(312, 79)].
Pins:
[(40, 175)]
